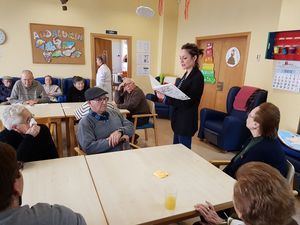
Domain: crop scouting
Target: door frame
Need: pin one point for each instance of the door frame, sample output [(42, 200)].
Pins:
[(94, 36), (231, 35)]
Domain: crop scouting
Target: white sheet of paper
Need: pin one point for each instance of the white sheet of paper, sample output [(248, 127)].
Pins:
[(168, 89)]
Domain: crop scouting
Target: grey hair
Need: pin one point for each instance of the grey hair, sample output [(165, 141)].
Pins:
[(12, 115)]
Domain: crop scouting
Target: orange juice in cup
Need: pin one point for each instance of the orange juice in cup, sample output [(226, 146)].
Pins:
[(170, 198), (170, 202)]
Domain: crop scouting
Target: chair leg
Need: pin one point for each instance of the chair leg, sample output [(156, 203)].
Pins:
[(155, 132), (146, 134), (134, 128)]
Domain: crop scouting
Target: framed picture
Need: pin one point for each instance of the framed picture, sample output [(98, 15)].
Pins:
[(54, 44)]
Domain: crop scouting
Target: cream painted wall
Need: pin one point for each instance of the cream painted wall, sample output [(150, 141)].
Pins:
[(211, 17), (168, 32), (94, 15)]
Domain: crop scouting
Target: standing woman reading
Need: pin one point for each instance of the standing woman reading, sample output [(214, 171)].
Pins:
[(184, 120), (103, 77)]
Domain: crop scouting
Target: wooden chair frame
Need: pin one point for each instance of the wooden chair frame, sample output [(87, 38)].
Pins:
[(152, 116)]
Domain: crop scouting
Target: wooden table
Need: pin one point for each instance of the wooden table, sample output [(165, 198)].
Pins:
[(65, 181), (69, 109), (131, 194), (52, 111)]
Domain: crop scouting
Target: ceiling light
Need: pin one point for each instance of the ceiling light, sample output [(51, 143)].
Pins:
[(144, 11)]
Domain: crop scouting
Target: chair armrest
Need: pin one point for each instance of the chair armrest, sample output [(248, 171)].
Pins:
[(143, 115), (151, 97), (79, 151), (219, 163), (210, 114), (134, 146), (61, 98)]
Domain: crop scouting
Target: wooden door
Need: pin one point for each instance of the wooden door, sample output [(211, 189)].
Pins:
[(226, 75), (104, 47)]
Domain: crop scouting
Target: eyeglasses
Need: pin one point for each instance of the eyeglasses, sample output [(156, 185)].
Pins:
[(100, 99)]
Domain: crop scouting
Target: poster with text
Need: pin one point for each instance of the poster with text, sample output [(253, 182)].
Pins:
[(54, 44), (143, 58)]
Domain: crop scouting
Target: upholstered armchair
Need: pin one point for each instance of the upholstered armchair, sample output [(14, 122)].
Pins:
[(163, 110), (228, 130), (66, 84)]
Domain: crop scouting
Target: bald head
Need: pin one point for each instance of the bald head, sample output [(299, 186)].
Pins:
[(129, 85), (128, 80), (27, 78)]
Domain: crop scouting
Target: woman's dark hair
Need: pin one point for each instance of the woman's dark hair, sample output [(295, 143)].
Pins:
[(77, 79), (268, 118), (9, 171), (193, 50)]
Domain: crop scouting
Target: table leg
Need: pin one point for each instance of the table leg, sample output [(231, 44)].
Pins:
[(67, 134), (72, 136), (59, 137)]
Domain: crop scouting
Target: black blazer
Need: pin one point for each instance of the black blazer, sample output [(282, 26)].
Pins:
[(184, 119)]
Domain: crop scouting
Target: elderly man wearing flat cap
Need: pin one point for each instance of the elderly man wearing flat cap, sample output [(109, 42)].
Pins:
[(5, 88), (103, 129)]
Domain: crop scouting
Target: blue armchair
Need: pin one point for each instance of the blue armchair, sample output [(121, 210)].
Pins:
[(228, 130), (56, 81), (67, 83)]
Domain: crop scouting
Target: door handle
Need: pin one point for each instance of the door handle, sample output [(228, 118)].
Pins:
[(220, 86)]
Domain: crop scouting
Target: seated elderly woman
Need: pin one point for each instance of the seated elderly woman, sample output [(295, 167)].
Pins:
[(261, 196), (11, 190), (263, 123), (31, 141), (52, 90)]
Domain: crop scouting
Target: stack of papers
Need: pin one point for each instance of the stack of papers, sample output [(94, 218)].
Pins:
[(168, 89)]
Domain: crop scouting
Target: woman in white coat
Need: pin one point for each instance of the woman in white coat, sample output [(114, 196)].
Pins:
[(103, 77)]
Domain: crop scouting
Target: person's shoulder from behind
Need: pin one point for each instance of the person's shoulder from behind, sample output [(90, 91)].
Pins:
[(43, 213)]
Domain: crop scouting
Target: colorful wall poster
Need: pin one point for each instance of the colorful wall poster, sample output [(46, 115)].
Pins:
[(53, 44), (233, 57), (208, 65)]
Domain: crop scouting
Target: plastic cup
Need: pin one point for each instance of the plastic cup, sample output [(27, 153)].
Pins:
[(170, 198)]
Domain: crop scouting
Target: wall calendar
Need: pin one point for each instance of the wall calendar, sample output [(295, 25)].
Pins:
[(287, 76)]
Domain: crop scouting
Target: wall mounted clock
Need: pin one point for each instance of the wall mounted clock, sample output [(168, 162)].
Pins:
[(2, 37)]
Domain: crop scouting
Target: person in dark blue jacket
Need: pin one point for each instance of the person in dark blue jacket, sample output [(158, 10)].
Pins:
[(264, 146), (6, 88)]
